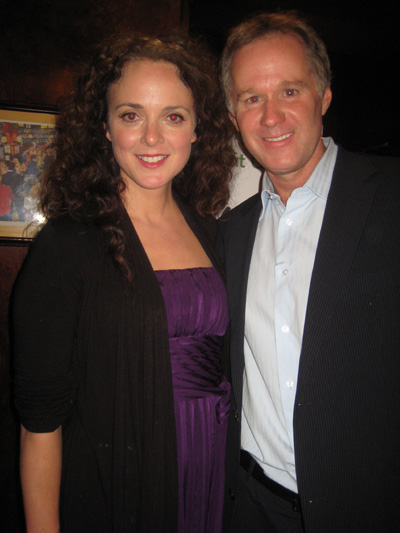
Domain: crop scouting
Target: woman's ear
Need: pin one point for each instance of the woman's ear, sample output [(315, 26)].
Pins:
[(106, 129)]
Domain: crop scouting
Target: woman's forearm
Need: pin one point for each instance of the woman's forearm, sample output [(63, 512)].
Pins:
[(40, 477)]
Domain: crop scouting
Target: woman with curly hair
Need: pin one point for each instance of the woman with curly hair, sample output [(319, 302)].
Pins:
[(120, 310)]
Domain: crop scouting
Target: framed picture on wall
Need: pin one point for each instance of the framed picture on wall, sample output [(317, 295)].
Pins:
[(27, 149)]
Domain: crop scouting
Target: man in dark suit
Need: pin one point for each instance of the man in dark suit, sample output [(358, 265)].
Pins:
[(312, 267)]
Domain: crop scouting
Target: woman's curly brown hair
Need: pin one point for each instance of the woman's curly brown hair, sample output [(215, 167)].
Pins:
[(85, 180)]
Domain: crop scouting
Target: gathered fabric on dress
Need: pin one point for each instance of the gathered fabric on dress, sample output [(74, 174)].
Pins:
[(197, 318)]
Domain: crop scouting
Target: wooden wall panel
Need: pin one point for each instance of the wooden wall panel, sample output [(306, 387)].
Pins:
[(11, 519), (41, 41)]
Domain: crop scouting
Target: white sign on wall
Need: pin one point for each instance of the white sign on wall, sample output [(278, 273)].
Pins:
[(246, 178)]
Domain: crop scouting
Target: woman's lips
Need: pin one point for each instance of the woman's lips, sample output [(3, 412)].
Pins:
[(152, 161)]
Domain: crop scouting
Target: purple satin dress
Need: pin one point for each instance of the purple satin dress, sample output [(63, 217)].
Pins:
[(197, 315)]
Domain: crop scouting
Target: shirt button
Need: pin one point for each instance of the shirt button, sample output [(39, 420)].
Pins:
[(285, 272), (290, 383), (285, 329), (289, 221)]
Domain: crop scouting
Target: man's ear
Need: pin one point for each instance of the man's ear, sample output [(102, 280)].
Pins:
[(106, 129), (234, 121), (326, 100)]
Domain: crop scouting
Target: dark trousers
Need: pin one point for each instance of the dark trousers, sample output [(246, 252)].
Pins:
[(258, 510)]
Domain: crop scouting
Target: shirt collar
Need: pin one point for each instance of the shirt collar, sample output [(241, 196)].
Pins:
[(319, 182)]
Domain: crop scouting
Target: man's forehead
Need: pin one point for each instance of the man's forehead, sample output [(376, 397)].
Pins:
[(269, 38), (285, 58)]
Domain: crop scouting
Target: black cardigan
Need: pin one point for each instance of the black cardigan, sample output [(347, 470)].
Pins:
[(92, 355)]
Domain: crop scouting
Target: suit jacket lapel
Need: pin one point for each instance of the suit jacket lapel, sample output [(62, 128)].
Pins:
[(241, 235), (347, 208)]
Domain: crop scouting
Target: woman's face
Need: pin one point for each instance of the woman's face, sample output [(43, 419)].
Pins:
[(151, 123)]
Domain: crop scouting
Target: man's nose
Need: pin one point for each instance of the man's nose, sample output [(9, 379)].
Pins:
[(273, 113)]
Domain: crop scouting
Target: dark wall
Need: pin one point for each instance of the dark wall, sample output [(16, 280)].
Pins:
[(42, 40), (11, 520)]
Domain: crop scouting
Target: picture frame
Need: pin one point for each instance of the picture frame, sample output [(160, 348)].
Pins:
[(27, 149)]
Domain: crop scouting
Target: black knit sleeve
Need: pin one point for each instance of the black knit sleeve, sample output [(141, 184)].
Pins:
[(45, 309)]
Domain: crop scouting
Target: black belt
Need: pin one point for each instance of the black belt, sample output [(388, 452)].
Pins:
[(257, 473)]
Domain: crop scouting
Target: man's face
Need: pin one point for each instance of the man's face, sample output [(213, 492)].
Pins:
[(277, 108)]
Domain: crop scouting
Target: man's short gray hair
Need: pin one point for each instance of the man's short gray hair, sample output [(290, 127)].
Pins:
[(267, 24)]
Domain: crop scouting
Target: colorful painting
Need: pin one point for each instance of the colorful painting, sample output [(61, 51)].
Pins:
[(27, 149)]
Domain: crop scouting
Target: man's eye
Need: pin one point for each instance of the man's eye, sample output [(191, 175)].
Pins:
[(290, 92), (253, 99)]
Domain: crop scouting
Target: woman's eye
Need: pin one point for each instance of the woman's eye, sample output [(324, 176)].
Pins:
[(130, 116), (175, 117)]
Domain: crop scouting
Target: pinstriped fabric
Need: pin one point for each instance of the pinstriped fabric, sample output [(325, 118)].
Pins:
[(278, 285)]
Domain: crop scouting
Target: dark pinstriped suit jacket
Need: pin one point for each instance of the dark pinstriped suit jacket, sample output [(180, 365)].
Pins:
[(347, 408)]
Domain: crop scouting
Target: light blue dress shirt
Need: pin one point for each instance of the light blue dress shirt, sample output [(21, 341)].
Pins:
[(277, 292)]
